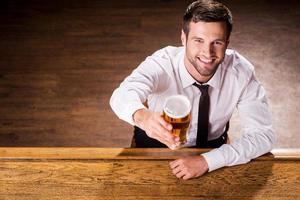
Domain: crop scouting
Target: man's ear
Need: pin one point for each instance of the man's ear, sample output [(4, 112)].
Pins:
[(183, 38)]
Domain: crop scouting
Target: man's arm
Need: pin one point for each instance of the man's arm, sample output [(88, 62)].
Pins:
[(257, 137), (136, 88), (127, 100)]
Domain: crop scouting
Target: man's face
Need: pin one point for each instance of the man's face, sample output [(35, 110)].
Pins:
[(205, 48)]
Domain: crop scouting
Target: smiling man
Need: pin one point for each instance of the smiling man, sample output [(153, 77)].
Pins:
[(203, 68), (205, 43)]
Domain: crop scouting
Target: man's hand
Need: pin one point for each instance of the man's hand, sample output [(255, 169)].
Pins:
[(156, 127), (189, 167)]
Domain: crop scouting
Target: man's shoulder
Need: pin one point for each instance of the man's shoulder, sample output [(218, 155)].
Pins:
[(163, 61), (237, 64), (168, 52), (167, 58)]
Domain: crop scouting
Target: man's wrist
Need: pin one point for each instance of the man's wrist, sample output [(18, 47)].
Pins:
[(205, 164), (214, 159), (138, 117)]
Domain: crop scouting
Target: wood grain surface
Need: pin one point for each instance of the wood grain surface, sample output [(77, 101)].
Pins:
[(133, 178)]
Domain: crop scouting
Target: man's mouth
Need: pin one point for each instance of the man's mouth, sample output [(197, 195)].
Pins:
[(206, 61)]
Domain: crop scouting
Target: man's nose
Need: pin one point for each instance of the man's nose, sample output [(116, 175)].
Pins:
[(207, 50)]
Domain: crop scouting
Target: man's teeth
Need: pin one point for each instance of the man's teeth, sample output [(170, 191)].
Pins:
[(206, 60)]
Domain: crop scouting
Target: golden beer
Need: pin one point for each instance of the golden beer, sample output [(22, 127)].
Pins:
[(176, 111)]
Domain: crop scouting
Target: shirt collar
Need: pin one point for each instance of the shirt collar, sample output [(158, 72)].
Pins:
[(215, 81), (187, 80)]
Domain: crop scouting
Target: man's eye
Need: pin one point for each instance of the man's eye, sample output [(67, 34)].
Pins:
[(218, 43), (199, 41)]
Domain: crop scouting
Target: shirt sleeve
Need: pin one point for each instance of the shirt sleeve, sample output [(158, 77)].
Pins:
[(135, 89), (257, 133)]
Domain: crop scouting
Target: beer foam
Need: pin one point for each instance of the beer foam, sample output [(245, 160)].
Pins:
[(177, 106)]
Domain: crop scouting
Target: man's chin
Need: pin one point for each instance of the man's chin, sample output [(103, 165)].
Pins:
[(208, 68), (206, 71)]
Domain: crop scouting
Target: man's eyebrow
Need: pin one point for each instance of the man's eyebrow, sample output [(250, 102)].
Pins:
[(220, 40), (200, 38), (196, 37)]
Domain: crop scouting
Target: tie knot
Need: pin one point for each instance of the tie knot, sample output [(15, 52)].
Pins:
[(202, 88)]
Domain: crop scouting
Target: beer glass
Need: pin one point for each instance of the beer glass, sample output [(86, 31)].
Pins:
[(176, 111)]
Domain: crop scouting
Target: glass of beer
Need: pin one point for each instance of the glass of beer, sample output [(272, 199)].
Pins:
[(176, 111)]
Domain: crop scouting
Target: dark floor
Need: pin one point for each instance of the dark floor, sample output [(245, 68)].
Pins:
[(61, 60)]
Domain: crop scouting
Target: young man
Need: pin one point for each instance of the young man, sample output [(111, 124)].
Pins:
[(202, 68)]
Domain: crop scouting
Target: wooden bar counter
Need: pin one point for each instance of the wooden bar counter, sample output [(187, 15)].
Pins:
[(121, 173)]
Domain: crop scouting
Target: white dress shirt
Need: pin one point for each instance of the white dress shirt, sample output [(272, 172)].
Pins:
[(233, 85)]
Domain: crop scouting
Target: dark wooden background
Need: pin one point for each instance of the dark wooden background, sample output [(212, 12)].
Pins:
[(61, 60)]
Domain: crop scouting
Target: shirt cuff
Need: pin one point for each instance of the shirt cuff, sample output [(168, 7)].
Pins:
[(214, 159)]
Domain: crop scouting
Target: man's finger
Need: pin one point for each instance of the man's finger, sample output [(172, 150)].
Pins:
[(167, 138), (174, 163), (165, 133), (160, 137), (165, 129), (165, 124), (176, 170), (180, 174), (186, 177)]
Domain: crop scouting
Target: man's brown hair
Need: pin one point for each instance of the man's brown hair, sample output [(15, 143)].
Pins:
[(207, 11)]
